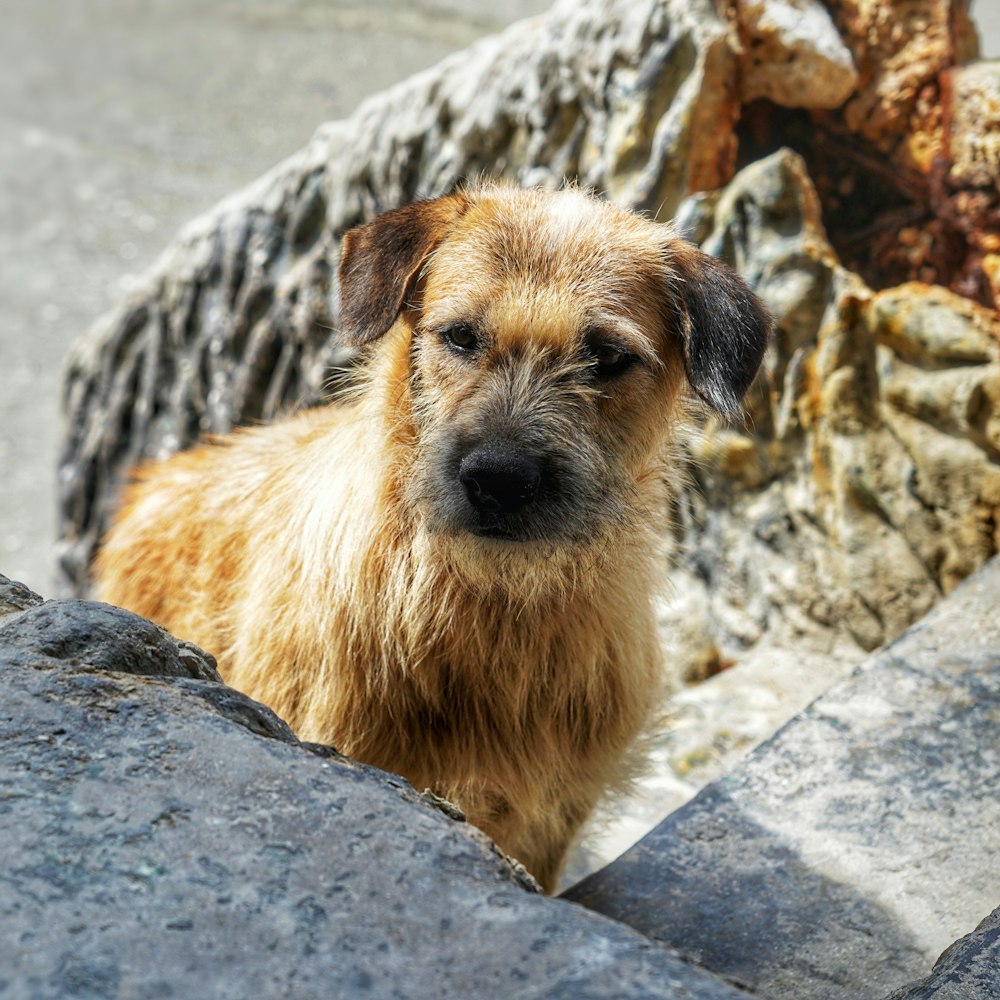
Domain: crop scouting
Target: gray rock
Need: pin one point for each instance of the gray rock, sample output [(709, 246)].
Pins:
[(15, 599), (166, 837), (107, 638), (846, 852), (968, 970)]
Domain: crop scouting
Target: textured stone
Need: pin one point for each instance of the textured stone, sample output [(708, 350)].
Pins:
[(929, 327), (98, 635), (899, 50), (15, 599), (968, 970), (169, 837), (848, 850), (857, 494), (971, 101), (965, 172), (794, 55)]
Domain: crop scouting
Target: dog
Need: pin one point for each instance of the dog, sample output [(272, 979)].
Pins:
[(452, 574)]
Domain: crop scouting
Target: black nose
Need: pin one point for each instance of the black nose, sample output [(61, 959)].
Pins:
[(499, 480)]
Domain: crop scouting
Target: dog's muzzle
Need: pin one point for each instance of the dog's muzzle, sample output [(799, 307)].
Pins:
[(505, 491), (499, 480), (511, 490)]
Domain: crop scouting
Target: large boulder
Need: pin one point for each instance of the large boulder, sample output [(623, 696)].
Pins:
[(161, 835)]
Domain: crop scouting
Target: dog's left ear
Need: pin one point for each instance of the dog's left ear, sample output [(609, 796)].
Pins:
[(380, 262), (725, 329)]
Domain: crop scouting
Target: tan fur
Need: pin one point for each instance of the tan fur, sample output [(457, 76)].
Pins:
[(318, 559)]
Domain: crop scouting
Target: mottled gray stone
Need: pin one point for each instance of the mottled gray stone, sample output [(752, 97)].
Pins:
[(968, 970), (167, 837), (851, 848), (15, 599), (108, 638)]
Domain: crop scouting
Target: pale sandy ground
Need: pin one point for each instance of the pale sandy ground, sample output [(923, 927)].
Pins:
[(120, 120)]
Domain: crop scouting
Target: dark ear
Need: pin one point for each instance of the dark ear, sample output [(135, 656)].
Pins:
[(380, 261), (725, 331)]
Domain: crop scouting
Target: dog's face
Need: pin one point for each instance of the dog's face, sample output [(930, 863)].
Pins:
[(546, 338)]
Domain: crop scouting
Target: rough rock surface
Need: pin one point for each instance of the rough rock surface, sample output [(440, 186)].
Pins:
[(15, 599), (90, 633), (899, 50), (968, 970), (168, 837), (795, 56), (865, 484), (965, 172), (850, 849)]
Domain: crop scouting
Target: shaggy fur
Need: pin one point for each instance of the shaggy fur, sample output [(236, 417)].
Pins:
[(451, 575)]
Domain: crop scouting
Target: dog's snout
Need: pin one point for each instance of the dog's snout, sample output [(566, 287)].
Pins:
[(498, 480)]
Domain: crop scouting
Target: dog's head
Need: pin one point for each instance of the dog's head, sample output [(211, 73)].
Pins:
[(546, 339)]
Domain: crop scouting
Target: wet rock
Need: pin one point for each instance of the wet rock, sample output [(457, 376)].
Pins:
[(846, 852), (971, 102), (165, 836)]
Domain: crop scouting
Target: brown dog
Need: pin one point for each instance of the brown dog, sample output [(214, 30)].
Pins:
[(452, 576)]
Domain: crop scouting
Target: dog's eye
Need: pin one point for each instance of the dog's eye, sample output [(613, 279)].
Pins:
[(461, 337), (609, 359)]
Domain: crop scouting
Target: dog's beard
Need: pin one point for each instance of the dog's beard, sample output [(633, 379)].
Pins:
[(523, 573), (562, 537)]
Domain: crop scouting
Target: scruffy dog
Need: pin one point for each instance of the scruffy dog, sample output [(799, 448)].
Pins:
[(452, 575)]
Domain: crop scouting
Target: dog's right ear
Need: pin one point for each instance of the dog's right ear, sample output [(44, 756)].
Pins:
[(380, 262), (725, 328)]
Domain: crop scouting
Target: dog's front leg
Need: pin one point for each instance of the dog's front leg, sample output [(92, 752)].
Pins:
[(542, 839)]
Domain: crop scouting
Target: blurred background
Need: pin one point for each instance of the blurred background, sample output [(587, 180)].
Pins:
[(120, 120)]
